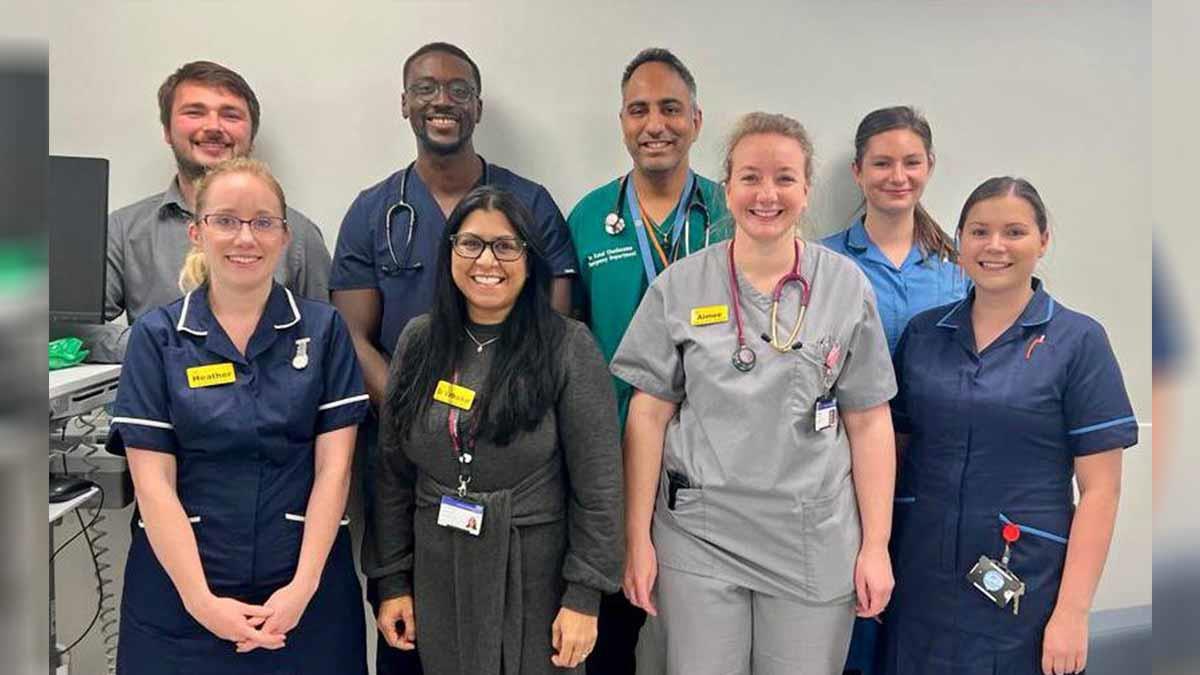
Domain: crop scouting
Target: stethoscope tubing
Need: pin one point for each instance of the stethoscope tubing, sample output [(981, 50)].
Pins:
[(695, 200), (412, 217)]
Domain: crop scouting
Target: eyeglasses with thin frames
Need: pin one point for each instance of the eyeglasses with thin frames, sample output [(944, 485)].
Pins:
[(230, 225), (459, 91)]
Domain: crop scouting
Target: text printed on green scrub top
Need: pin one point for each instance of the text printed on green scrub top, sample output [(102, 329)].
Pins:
[(598, 258)]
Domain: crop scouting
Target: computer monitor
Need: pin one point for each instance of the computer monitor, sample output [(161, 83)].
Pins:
[(77, 215)]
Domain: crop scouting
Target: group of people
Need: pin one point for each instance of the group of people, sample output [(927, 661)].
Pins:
[(669, 403)]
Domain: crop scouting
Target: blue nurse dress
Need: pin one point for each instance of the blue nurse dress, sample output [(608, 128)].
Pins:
[(994, 437), (245, 469)]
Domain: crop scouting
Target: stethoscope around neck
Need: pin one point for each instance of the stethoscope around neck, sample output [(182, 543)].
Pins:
[(614, 222), (409, 265), (744, 358)]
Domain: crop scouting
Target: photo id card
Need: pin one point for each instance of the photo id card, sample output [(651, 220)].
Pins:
[(825, 416), (460, 515)]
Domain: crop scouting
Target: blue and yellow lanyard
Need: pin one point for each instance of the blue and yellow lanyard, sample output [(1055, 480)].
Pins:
[(642, 226)]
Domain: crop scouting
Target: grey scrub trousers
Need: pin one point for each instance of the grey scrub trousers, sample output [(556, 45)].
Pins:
[(756, 557)]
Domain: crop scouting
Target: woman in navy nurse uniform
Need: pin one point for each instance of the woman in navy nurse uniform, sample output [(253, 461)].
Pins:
[(1006, 395), (237, 410)]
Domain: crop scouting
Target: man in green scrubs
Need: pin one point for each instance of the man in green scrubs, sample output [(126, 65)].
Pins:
[(625, 233)]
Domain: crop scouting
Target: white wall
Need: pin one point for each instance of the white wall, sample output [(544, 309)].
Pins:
[(1058, 92)]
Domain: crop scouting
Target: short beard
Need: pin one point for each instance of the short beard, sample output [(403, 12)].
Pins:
[(194, 171), (443, 149)]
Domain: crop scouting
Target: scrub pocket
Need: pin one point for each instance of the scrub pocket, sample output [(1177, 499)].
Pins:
[(832, 538), (205, 416), (304, 387), (1038, 556), (808, 381), (681, 534), (149, 599), (1035, 384)]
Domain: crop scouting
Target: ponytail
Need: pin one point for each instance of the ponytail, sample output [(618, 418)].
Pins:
[(930, 236), (195, 271)]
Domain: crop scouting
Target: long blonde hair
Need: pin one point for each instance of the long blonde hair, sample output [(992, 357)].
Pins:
[(195, 267)]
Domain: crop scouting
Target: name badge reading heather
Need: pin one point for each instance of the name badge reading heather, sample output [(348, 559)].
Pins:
[(452, 394), (460, 515), (704, 316), (826, 413), (210, 376)]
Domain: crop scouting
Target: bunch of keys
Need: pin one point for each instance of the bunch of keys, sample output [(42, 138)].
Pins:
[(994, 579)]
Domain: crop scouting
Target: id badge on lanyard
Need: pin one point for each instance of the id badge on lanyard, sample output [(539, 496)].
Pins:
[(459, 512)]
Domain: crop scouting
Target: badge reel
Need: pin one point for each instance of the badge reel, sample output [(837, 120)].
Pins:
[(994, 579), (458, 512), (825, 411)]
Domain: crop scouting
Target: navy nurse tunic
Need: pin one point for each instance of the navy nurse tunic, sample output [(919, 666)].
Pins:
[(994, 436), (245, 469)]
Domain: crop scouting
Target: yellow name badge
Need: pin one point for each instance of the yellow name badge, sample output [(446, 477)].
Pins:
[(703, 316), (453, 394), (210, 376)]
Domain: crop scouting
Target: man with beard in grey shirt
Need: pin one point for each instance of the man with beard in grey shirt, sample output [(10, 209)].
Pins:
[(209, 114)]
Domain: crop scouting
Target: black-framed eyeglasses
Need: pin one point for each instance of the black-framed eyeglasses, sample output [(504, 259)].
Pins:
[(230, 225), (505, 249), (459, 91)]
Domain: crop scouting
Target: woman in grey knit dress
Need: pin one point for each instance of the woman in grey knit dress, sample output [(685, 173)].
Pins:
[(497, 502)]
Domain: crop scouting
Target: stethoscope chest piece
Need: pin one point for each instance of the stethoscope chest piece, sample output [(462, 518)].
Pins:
[(744, 358), (614, 224), (300, 360)]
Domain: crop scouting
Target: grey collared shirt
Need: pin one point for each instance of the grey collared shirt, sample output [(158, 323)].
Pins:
[(147, 242)]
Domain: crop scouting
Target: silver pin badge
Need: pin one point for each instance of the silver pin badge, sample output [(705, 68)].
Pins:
[(614, 224), (300, 360)]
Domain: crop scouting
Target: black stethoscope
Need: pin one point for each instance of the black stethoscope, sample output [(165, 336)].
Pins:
[(744, 357), (403, 205), (614, 223)]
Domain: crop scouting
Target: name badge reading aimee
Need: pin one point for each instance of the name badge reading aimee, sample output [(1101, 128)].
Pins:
[(453, 394), (210, 376), (703, 316)]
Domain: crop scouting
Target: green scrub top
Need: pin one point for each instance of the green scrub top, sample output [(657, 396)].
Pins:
[(611, 274)]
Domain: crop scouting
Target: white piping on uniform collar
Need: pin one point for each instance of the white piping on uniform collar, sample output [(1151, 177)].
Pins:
[(183, 317), (295, 312)]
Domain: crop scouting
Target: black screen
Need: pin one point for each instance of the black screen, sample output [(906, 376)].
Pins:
[(77, 214)]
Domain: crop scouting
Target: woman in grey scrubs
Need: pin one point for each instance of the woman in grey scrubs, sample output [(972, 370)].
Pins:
[(759, 454)]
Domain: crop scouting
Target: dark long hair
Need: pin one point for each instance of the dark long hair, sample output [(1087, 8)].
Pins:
[(1000, 186), (926, 232), (520, 387)]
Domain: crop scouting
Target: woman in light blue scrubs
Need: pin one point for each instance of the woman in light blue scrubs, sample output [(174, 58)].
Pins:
[(907, 257)]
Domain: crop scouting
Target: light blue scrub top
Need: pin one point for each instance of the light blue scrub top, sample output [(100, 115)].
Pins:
[(922, 281)]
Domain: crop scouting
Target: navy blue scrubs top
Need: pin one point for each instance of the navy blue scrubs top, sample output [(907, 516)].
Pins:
[(994, 437), (362, 258), (245, 449)]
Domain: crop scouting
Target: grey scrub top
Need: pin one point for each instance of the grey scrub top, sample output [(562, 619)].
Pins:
[(771, 505)]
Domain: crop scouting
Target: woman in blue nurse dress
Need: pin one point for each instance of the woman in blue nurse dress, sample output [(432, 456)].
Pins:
[(237, 410), (1006, 396)]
